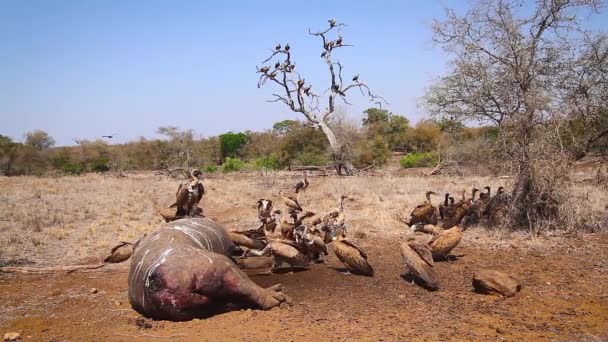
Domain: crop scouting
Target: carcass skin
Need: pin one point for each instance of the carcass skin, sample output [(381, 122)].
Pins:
[(184, 271)]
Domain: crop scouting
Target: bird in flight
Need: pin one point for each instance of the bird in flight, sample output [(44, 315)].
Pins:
[(109, 136)]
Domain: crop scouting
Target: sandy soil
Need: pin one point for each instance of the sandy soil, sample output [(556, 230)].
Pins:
[(564, 298)]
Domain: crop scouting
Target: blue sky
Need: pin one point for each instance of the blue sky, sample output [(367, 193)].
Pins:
[(82, 69)]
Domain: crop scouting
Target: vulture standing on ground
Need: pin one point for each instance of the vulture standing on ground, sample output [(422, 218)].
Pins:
[(497, 209), (291, 202), (283, 251), (443, 206), (302, 185), (351, 254), (443, 243), (418, 259), (189, 195), (264, 207), (485, 195), (425, 213)]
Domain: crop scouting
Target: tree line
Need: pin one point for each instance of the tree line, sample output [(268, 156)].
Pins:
[(288, 143)]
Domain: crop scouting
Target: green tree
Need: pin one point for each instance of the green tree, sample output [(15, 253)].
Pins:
[(285, 126), (39, 140), (8, 154), (375, 116), (231, 144)]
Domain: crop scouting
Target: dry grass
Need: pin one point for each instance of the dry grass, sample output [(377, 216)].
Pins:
[(77, 219)]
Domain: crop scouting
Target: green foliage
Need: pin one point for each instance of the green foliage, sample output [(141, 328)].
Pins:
[(61, 158), (101, 164), (270, 162), (371, 152), (231, 144), (233, 165), (73, 168), (312, 156), (374, 116), (39, 140), (211, 168), (302, 145), (285, 126), (392, 128), (419, 159)]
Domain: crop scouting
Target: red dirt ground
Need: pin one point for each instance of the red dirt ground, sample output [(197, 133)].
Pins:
[(564, 298)]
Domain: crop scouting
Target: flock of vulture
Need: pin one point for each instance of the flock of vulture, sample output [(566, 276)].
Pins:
[(420, 255), (295, 237)]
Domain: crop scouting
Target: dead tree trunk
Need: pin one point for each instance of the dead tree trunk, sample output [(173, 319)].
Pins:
[(299, 97)]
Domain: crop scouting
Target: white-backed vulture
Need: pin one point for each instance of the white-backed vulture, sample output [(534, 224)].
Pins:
[(418, 260), (443, 243), (424, 213), (351, 254)]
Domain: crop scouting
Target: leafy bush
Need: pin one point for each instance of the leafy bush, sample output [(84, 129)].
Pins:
[(419, 159), (232, 165), (101, 164), (211, 168), (312, 156), (72, 168), (270, 162), (231, 143)]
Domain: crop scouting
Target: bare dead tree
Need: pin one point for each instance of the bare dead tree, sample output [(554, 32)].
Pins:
[(299, 96), (521, 70)]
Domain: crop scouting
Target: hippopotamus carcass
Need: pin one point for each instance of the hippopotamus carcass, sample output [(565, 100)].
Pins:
[(184, 270)]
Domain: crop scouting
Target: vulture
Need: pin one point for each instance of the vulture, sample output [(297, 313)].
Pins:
[(485, 195), (443, 206), (455, 212), (301, 83), (277, 65), (332, 22), (242, 239), (291, 202), (264, 69), (323, 54), (120, 252), (418, 259), (497, 209), (351, 254), (339, 40), (302, 185), (356, 78), (424, 213), (283, 251), (278, 47), (287, 47), (285, 227), (428, 229), (307, 90), (189, 195), (273, 74), (443, 243), (264, 208)]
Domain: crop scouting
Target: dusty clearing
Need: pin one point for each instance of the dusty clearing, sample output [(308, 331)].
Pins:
[(563, 296), (562, 299)]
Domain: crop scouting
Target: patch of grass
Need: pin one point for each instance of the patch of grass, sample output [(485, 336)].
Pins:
[(419, 159)]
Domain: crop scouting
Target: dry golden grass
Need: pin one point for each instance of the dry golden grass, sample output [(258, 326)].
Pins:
[(78, 219)]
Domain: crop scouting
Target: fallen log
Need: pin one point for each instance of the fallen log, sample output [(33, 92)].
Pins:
[(310, 168), (442, 165), (51, 269)]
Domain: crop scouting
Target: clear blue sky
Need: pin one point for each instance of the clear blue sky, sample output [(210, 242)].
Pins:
[(82, 69)]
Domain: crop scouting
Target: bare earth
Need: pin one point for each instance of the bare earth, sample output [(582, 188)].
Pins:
[(564, 295)]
